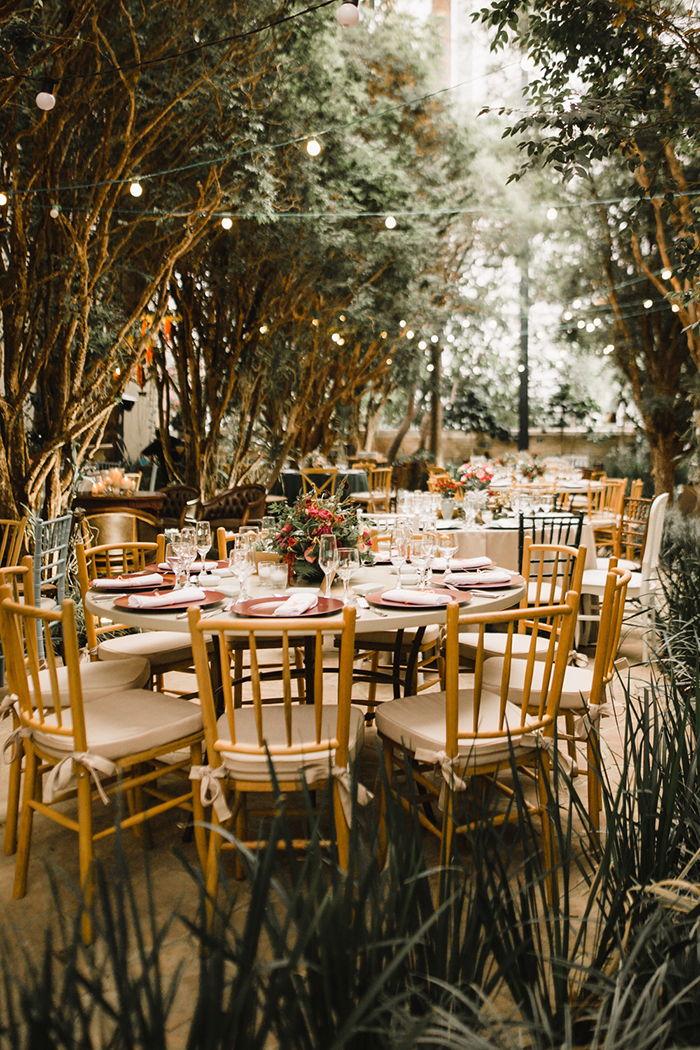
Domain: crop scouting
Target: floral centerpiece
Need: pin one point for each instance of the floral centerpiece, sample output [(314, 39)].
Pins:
[(474, 479), (301, 525), (445, 485), (531, 469)]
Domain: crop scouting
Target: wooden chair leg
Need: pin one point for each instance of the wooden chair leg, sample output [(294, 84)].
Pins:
[(25, 825), (13, 798), (85, 849), (544, 792)]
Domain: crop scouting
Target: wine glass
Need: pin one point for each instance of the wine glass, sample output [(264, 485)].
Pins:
[(242, 565), (328, 559), (400, 540), (173, 558), (422, 553), (446, 547), (202, 535), (348, 564), (188, 548)]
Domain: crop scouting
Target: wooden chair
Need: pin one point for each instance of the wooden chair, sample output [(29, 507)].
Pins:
[(380, 489), (636, 488), (643, 585), (120, 526), (583, 692), (605, 510), (115, 743), (551, 571), (11, 538), (474, 733), (311, 741), (323, 487), (164, 650), (632, 534), (97, 679), (51, 543)]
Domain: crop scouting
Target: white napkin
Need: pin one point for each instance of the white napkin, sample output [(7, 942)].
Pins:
[(296, 604), (122, 583), (478, 579), (415, 597), (481, 562), (382, 558), (196, 566), (159, 601)]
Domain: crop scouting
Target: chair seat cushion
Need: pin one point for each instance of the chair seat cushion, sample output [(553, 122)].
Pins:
[(594, 580), (575, 690), (161, 648), (418, 722), (97, 679), (287, 766), (622, 563), (128, 722), (495, 645), (550, 592)]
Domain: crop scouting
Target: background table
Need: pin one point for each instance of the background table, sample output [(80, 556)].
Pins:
[(289, 483), (501, 543)]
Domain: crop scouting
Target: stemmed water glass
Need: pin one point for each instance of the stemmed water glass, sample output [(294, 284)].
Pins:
[(422, 554), (242, 564), (188, 547), (328, 559), (173, 558), (400, 545), (202, 533), (348, 564), (446, 547)]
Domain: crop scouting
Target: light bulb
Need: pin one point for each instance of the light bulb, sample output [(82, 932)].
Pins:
[(648, 303), (226, 222), (313, 147), (46, 101), (666, 274), (135, 189), (390, 222), (551, 214), (3, 199), (348, 15), (55, 211)]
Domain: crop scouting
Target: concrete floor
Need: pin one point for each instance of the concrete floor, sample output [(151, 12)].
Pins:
[(54, 850)]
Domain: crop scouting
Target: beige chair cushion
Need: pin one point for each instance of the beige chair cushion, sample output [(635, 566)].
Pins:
[(495, 645), (287, 767), (97, 679), (125, 723), (160, 648), (575, 691), (418, 722)]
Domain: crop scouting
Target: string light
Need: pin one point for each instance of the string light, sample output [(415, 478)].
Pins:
[(46, 99), (348, 14), (136, 189), (675, 308), (648, 303), (55, 211), (227, 222), (666, 274), (552, 214), (3, 199), (390, 222), (410, 334), (313, 147), (433, 339)]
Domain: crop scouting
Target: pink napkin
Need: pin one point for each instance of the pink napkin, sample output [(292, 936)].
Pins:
[(162, 601), (415, 597), (123, 583)]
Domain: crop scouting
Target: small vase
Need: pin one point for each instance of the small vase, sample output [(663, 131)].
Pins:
[(447, 509)]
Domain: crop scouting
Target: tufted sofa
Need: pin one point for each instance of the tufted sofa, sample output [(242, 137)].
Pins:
[(233, 508), (176, 498)]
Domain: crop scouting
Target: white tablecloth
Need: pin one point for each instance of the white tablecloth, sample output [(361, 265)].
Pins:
[(501, 544)]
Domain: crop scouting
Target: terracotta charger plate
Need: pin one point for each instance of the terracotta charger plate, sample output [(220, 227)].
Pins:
[(265, 607), (456, 596), (211, 598), (486, 585)]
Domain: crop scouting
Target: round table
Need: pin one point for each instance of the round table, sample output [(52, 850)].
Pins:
[(367, 579), (368, 621)]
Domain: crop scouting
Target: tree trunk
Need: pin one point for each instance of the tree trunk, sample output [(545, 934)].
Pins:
[(411, 411)]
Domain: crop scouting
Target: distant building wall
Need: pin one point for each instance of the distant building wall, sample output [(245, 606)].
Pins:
[(458, 446)]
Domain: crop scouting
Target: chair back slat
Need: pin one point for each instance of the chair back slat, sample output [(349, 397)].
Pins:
[(11, 538), (560, 529), (109, 560), (538, 709)]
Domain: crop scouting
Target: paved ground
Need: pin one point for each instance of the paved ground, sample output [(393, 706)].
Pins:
[(55, 850)]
